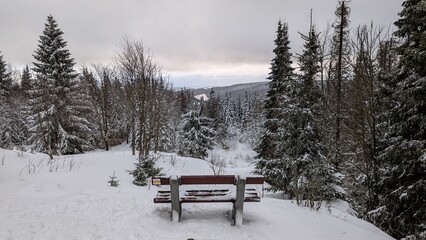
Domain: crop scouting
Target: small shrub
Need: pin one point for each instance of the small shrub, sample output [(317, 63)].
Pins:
[(113, 181), (217, 164), (3, 158), (173, 159)]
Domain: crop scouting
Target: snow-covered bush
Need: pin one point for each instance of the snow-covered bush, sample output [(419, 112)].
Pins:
[(145, 168)]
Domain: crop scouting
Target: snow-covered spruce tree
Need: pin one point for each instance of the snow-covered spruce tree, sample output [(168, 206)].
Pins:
[(5, 80), (402, 212), (212, 107), (145, 169), (13, 130), (245, 112), (272, 162), (196, 135), (227, 120), (90, 94), (310, 174), (16, 118), (25, 79), (168, 139), (5, 107), (247, 119), (56, 122), (252, 119)]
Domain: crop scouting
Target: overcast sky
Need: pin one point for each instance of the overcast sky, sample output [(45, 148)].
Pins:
[(197, 42)]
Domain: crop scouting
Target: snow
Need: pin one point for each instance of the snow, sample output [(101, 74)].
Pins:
[(202, 96), (70, 199)]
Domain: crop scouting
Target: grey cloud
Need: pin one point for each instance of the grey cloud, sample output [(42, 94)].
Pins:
[(181, 34)]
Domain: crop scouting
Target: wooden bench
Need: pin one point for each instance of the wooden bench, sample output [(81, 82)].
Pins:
[(237, 194)]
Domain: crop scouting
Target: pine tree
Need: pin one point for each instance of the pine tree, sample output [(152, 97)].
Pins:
[(309, 62), (5, 80), (26, 79), (56, 123), (144, 169), (5, 104), (402, 212), (252, 119), (245, 112), (227, 120), (113, 181), (197, 135), (212, 105), (272, 161), (311, 175)]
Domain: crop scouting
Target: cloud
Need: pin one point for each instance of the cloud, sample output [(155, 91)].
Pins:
[(185, 36)]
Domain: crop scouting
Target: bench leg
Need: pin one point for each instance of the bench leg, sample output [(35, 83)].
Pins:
[(176, 205), (233, 213), (237, 212)]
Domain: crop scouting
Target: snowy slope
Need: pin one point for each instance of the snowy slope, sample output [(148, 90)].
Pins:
[(52, 202)]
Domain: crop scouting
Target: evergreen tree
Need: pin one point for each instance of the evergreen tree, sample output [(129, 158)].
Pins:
[(144, 169), (271, 162), (309, 63), (26, 79), (197, 135), (5, 80), (245, 112), (311, 176), (113, 181), (56, 122), (185, 100), (13, 131), (402, 212), (5, 104), (212, 107), (252, 119), (169, 135), (227, 120)]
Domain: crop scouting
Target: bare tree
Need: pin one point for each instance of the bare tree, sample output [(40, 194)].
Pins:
[(145, 88), (339, 77)]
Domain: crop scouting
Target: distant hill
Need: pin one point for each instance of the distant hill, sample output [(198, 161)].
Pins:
[(237, 89)]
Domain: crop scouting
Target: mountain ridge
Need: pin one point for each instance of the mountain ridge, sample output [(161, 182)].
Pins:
[(240, 89)]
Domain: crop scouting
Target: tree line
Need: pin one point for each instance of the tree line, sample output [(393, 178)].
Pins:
[(55, 110), (350, 123)]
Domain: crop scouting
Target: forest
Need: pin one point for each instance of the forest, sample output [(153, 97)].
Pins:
[(343, 119)]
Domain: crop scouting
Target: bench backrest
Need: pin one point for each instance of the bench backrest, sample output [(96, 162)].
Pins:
[(207, 179)]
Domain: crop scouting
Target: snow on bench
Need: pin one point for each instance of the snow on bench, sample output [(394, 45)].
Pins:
[(235, 195)]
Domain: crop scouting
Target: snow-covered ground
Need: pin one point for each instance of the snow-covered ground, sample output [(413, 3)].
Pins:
[(69, 198)]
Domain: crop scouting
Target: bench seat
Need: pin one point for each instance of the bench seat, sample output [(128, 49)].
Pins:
[(199, 196)]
